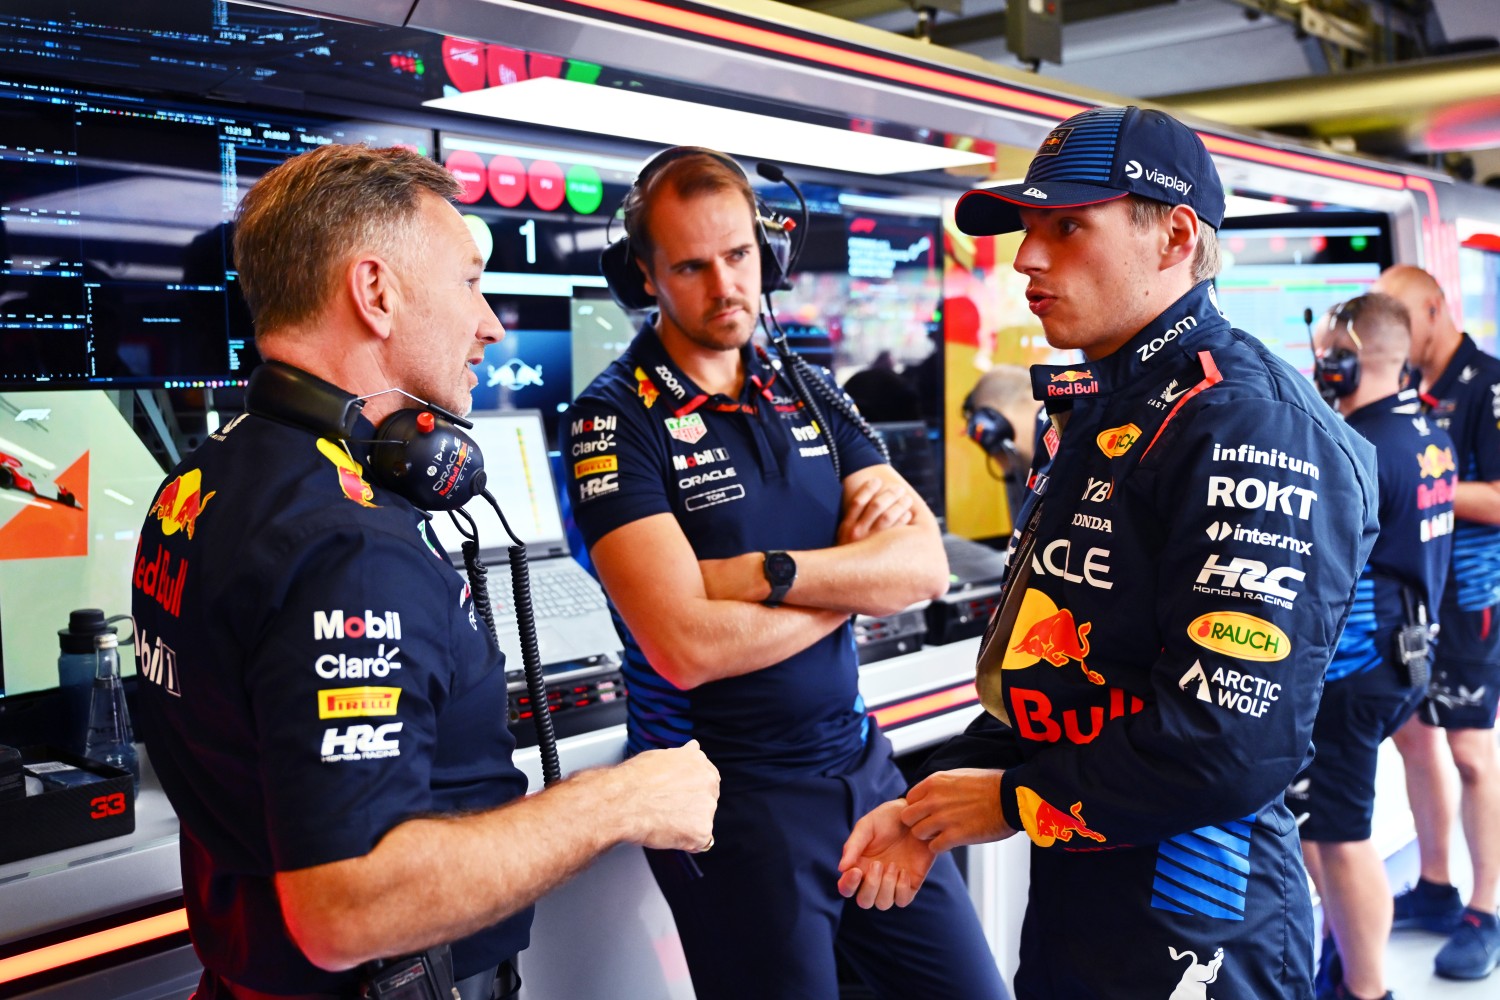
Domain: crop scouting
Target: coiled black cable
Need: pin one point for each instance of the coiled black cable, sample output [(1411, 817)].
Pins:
[(531, 661)]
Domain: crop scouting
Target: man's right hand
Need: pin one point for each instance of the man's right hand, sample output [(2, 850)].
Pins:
[(671, 796)]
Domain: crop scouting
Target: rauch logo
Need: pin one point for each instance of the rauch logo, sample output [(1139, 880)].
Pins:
[(1245, 637)]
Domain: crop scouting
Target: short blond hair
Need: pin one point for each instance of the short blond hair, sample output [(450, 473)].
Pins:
[(1146, 212), (300, 223)]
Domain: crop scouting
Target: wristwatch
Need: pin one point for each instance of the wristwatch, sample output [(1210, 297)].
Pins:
[(781, 573)]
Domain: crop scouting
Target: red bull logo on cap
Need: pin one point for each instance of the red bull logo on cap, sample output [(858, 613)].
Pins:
[(1435, 462), (645, 388), (1048, 633), (180, 503), (351, 474), (1053, 144), (1118, 440), (1242, 636), (1046, 824)]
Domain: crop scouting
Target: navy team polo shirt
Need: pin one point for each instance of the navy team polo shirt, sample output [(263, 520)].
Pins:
[(313, 674), (1417, 469), (739, 475), (1465, 402)]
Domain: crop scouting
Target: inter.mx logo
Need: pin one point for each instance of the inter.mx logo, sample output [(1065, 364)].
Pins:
[(1221, 530)]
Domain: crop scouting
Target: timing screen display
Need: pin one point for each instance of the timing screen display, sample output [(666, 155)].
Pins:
[(115, 241)]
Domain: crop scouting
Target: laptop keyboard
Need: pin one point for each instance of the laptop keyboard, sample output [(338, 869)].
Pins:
[(553, 595)]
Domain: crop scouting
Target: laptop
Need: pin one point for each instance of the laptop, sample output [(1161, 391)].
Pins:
[(914, 455), (573, 624)]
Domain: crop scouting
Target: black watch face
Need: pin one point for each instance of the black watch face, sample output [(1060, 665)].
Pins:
[(780, 567)]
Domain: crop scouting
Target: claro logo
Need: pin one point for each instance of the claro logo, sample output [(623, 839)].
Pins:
[(1245, 637)]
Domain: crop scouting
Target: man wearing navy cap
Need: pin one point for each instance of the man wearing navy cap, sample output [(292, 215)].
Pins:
[(1184, 564)]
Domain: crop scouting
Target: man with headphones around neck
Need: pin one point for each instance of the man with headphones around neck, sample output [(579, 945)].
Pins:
[(1378, 673), (733, 558), (1001, 417), (1461, 390), (328, 714)]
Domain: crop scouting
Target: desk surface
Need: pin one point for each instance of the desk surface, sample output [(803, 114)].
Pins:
[(69, 887)]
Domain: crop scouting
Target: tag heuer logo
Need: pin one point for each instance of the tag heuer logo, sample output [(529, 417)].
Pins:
[(1034, 193), (1133, 170)]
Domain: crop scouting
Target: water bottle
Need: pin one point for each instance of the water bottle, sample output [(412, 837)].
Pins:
[(76, 666), (109, 738)]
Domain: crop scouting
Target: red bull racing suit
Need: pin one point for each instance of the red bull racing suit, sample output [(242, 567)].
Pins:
[(312, 674), (1196, 526), (798, 755)]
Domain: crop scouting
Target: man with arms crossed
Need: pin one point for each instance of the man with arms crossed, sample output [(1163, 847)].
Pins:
[(733, 558), (1185, 563), (325, 711), (1461, 388)]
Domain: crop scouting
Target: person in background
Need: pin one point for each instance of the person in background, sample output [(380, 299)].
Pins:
[(1461, 390), (323, 707), (1375, 678), (1188, 555), (733, 556), (1001, 417)]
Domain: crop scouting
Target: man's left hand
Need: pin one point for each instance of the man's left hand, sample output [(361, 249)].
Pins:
[(882, 861), (875, 506), (953, 808)]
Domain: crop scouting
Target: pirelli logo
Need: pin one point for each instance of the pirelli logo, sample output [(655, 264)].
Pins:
[(357, 702)]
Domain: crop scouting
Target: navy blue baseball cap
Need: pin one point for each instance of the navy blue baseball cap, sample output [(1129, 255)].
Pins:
[(1100, 155)]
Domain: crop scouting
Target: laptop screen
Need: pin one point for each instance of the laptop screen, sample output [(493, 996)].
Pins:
[(514, 447)]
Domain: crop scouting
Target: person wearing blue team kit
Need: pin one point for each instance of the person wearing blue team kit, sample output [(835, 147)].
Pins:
[(1461, 388), (323, 706), (1187, 558), (733, 557), (1370, 690)]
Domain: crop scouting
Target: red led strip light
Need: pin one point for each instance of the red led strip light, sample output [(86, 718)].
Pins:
[(88, 946), (928, 704)]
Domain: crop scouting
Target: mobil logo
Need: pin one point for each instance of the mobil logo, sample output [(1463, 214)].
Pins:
[(1047, 632), (340, 625), (1046, 824)]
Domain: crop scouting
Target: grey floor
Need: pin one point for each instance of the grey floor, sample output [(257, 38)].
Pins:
[(1408, 960)]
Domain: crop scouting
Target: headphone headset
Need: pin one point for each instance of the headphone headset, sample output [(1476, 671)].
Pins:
[(773, 235), (421, 454), (1336, 372), (988, 428)]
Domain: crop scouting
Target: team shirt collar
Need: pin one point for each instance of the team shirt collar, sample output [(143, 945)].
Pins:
[(1168, 335), (658, 378)]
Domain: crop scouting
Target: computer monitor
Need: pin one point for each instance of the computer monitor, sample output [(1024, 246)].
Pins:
[(1278, 267), (115, 243), (75, 485)]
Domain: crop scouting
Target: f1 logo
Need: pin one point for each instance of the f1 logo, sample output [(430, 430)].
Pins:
[(106, 806)]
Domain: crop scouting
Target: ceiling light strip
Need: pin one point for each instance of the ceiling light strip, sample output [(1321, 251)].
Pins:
[(842, 59), (93, 945), (1302, 162), (989, 93)]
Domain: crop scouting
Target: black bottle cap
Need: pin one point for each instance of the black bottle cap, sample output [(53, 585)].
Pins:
[(83, 625)]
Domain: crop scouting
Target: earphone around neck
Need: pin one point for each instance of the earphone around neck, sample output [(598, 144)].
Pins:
[(420, 453)]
